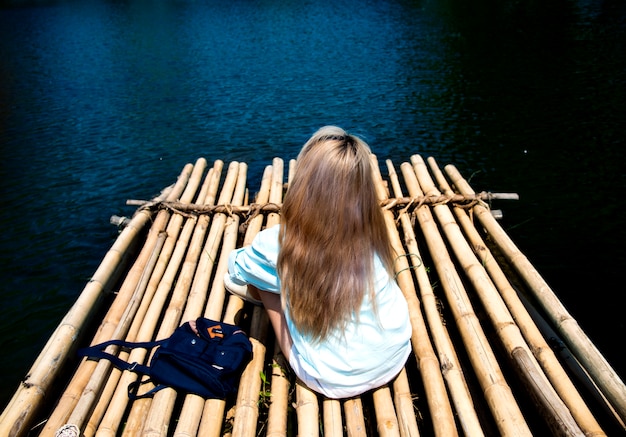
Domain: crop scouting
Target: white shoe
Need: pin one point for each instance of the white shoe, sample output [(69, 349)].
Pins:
[(240, 291)]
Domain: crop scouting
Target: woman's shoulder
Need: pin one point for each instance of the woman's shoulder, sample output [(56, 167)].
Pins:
[(267, 235), (266, 241)]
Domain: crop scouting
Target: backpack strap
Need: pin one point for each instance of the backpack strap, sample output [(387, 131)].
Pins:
[(97, 351), (133, 389)]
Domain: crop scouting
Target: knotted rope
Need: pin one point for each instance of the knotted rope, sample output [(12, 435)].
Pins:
[(402, 204)]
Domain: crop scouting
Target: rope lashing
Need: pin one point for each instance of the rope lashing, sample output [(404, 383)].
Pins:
[(413, 265), (404, 204)]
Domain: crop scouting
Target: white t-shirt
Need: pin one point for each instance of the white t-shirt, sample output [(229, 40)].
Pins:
[(370, 353)]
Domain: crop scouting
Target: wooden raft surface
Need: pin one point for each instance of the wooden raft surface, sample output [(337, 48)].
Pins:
[(485, 361)]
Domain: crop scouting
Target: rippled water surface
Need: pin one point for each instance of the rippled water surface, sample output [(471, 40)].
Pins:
[(102, 101)]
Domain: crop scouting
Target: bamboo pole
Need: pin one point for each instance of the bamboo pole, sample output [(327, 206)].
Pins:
[(332, 421), (386, 420), (247, 412), (193, 406), (203, 258), (206, 417), (213, 412), (135, 312), (451, 368), (279, 401), (496, 309), (558, 423), (539, 347), (503, 406), (96, 383), (27, 400), (89, 429), (202, 281), (112, 418), (247, 409), (603, 374), (403, 401), (307, 411), (569, 360), (114, 401), (160, 409), (179, 232), (429, 366), (355, 420)]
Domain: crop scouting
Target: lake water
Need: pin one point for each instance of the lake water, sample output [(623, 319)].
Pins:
[(103, 101)]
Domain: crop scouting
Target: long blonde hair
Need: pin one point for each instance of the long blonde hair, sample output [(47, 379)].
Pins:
[(332, 226)]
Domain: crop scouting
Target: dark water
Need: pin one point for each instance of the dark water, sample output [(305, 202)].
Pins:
[(102, 101)]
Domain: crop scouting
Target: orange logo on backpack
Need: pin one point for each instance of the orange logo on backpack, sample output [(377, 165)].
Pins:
[(215, 331)]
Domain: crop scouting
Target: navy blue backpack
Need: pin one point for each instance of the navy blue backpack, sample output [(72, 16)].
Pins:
[(208, 364)]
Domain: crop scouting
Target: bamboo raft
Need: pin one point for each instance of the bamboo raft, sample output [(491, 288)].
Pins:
[(494, 350)]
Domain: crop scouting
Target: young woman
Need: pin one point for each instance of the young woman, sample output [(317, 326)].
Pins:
[(325, 274)]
